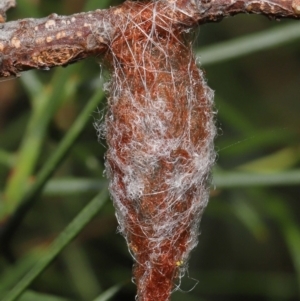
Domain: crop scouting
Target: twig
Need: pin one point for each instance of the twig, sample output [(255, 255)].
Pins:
[(274, 9), (52, 41), (61, 40)]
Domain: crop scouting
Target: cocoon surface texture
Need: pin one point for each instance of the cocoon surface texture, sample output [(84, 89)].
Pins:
[(160, 130)]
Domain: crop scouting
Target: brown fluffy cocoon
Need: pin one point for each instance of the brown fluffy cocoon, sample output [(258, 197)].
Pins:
[(160, 130)]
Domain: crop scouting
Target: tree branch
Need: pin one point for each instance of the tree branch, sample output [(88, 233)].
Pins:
[(274, 9), (61, 40), (52, 41)]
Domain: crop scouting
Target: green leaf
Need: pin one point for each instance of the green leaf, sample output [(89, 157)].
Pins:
[(45, 105), (33, 296), (109, 293), (58, 245), (250, 217), (71, 186), (248, 179), (236, 48), (52, 163), (278, 161), (6, 158)]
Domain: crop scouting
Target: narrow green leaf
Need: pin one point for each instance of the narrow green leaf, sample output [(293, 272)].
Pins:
[(45, 105), (6, 158), (52, 163), (109, 293), (289, 228), (11, 274), (63, 186), (33, 296), (250, 217), (80, 221), (249, 44), (80, 270), (282, 213), (32, 84), (221, 179), (278, 161), (248, 179)]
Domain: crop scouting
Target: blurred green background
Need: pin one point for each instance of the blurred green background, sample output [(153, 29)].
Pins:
[(249, 247)]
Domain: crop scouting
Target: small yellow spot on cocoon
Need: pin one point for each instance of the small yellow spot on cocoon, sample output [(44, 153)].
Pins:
[(79, 34), (249, 7), (36, 28), (86, 25), (15, 42), (296, 6), (49, 39), (73, 19), (179, 263), (1, 47)]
